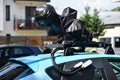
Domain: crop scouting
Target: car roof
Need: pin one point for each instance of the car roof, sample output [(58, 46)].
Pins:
[(32, 60), (40, 62)]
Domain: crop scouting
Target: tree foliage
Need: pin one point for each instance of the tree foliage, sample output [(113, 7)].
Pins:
[(87, 18), (116, 9), (93, 22)]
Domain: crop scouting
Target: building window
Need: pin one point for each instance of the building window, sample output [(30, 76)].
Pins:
[(7, 12), (117, 42)]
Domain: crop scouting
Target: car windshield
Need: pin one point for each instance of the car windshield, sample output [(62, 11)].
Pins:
[(11, 70)]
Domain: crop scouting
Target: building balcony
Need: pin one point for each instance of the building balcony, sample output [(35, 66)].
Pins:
[(27, 26), (22, 24)]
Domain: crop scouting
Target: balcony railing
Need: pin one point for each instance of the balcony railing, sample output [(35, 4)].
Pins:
[(31, 2), (34, 0), (21, 24)]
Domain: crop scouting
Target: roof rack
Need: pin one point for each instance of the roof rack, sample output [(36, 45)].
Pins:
[(79, 44), (71, 31), (68, 44)]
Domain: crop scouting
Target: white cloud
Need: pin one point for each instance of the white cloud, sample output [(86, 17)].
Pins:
[(96, 3), (79, 5)]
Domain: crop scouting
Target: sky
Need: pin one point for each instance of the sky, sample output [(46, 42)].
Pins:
[(79, 5)]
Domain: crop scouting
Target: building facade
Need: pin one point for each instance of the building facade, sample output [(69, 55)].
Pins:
[(1, 15), (112, 23), (16, 18)]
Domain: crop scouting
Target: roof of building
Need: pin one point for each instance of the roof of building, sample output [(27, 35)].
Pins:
[(116, 0), (110, 18)]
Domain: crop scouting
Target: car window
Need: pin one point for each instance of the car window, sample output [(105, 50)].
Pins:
[(0, 52), (115, 64), (13, 71), (106, 40), (117, 42), (5, 52), (36, 50), (22, 51)]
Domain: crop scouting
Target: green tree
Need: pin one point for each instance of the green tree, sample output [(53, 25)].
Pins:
[(93, 22), (116, 9), (87, 18), (97, 24)]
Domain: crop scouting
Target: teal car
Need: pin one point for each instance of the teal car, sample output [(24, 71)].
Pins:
[(71, 64), (75, 67)]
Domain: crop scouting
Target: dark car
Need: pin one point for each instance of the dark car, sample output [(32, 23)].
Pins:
[(14, 51)]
